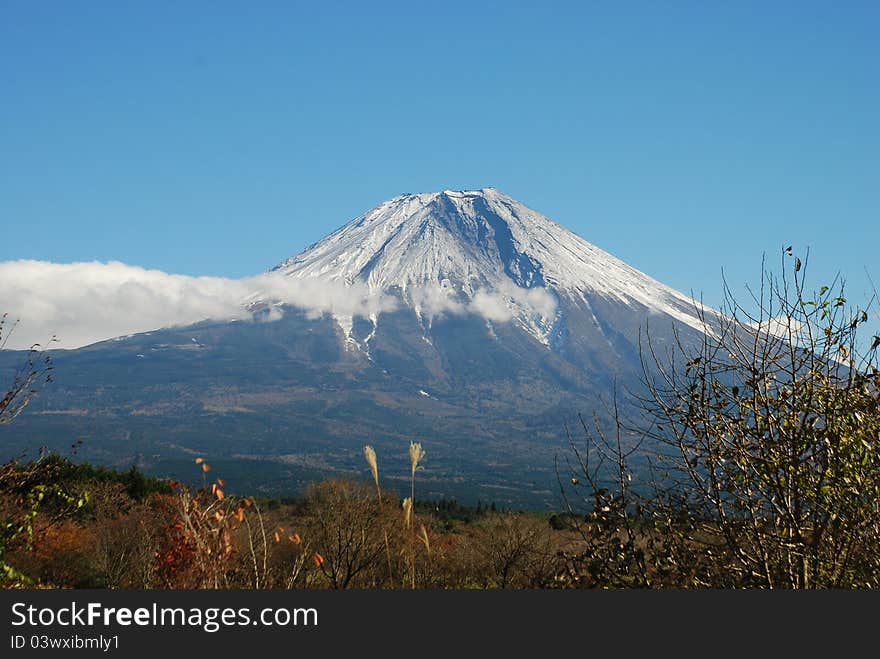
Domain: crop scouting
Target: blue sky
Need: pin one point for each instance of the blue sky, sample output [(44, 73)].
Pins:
[(219, 138)]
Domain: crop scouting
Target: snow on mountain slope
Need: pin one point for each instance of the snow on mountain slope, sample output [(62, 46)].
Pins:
[(480, 251)]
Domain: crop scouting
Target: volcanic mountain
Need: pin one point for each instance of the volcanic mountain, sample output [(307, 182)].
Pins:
[(479, 328)]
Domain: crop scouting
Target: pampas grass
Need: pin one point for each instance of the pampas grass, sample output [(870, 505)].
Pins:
[(416, 453), (407, 512), (370, 455), (373, 463), (425, 539)]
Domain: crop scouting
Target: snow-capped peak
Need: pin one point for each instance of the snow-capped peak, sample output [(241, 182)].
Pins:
[(481, 249)]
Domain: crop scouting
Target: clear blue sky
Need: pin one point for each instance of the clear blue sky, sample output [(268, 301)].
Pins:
[(219, 138)]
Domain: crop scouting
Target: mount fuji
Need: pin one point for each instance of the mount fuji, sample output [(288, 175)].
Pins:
[(480, 328)]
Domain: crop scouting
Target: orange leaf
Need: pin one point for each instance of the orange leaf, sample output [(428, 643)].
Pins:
[(239, 514), (206, 467), (199, 461), (295, 539), (277, 537), (219, 494), (213, 488), (221, 482), (318, 559)]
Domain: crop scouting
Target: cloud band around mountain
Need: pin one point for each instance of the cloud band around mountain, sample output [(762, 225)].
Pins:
[(81, 303)]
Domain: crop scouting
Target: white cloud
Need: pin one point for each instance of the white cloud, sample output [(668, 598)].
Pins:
[(435, 300), (81, 303), (85, 302), (499, 304), (318, 297), (503, 304)]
